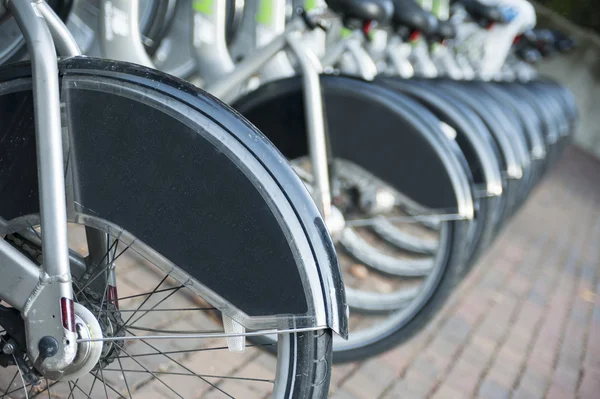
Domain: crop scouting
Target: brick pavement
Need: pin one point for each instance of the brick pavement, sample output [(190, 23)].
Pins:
[(525, 323)]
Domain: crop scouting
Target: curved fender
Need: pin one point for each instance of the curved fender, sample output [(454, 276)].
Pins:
[(511, 161), (243, 224), (372, 127), (535, 141), (479, 148)]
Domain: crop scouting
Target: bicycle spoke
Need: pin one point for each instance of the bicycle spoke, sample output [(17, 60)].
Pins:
[(16, 390), (185, 368), (193, 350), (82, 391), (105, 384), (21, 375), (167, 310), (224, 377), (124, 378), (154, 375), (194, 335), (146, 300), (109, 266), (152, 308), (147, 293), (91, 280), (72, 387), (93, 382), (9, 384), (123, 383)]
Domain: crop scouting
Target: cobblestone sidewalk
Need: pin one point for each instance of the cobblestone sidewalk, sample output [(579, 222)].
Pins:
[(526, 321)]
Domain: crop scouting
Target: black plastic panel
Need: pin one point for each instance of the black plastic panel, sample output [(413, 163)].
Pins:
[(187, 199), (367, 125), (18, 167), (258, 147)]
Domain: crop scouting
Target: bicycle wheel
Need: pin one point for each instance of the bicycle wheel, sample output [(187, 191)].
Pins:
[(397, 153), (148, 169), (137, 298)]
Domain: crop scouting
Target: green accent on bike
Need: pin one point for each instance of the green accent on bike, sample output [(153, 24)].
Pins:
[(203, 6), (264, 15), (436, 7), (345, 32), (425, 4), (371, 34), (310, 4), (441, 9)]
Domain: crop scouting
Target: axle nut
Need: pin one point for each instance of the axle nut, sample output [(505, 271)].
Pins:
[(8, 349)]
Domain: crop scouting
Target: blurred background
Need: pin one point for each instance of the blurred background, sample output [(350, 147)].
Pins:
[(526, 322), (580, 70)]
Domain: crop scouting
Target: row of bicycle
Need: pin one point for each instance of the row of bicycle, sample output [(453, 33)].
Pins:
[(376, 150)]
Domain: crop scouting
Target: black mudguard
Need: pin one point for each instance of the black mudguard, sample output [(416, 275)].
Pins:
[(512, 163), (534, 137), (478, 146), (373, 127), (181, 172)]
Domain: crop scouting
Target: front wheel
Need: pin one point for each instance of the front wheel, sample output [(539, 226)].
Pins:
[(131, 297), (179, 210)]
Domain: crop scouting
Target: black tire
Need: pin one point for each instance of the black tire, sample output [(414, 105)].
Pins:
[(314, 364), (447, 282), (279, 104)]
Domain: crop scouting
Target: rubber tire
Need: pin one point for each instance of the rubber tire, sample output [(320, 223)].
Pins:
[(451, 277), (313, 364)]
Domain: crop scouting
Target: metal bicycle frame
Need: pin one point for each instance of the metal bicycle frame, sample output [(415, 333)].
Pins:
[(44, 295), (223, 85), (360, 63), (263, 21)]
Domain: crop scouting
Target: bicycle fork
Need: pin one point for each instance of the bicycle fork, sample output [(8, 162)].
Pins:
[(44, 296), (311, 69)]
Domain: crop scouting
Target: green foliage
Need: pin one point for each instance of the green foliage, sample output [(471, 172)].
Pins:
[(585, 13)]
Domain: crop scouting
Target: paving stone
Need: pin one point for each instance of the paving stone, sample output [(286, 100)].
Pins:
[(411, 387), (456, 329), (370, 380), (341, 372), (464, 378), (590, 385), (342, 394), (525, 323), (491, 389), (447, 392)]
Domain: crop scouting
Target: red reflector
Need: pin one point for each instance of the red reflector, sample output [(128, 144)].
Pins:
[(518, 39), (111, 294), (67, 310), (367, 26), (490, 26), (414, 36)]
